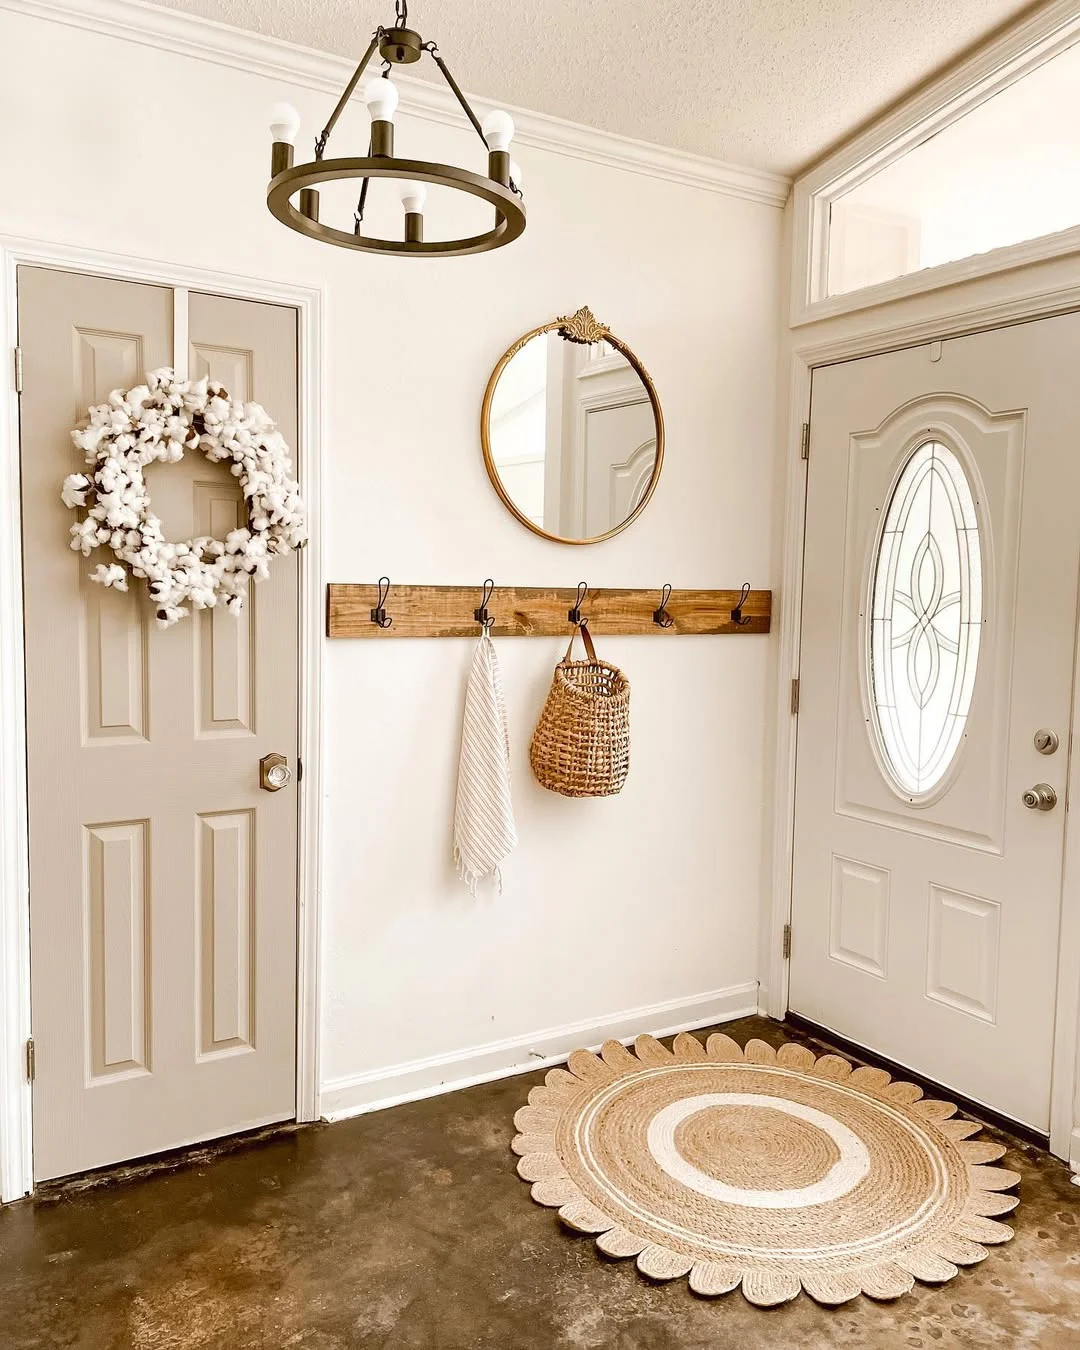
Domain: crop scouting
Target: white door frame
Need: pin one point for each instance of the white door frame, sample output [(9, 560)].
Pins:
[(1039, 291), (16, 1133)]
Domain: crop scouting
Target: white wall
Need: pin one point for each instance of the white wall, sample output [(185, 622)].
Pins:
[(608, 907)]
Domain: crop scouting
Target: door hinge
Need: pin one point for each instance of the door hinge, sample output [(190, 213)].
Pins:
[(31, 1060), (787, 941), (18, 370), (795, 697), (805, 450)]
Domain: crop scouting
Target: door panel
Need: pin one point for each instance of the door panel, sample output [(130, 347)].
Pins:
[(925, 922), (163, 881)]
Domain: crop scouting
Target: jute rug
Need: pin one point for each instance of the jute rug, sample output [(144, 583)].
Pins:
[(768, 1169)]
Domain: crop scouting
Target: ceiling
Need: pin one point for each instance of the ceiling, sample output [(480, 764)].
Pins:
[(765, 83)]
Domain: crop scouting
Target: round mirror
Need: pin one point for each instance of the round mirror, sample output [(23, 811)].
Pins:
[(572, 431)]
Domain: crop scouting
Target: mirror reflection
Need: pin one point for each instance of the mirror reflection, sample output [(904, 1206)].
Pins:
[(571, 436)]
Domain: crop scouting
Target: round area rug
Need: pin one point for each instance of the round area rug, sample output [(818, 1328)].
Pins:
[(773, 1170)]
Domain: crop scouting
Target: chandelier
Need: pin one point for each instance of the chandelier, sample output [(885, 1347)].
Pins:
[(398, 46)]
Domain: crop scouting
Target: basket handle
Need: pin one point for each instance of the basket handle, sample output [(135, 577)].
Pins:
[(586, 637)]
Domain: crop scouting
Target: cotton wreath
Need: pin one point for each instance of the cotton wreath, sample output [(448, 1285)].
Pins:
[(158, 421)]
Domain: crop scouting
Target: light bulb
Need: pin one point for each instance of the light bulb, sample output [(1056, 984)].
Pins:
[(498, 129), (284, 122), (413, 196), (515, 173), (381, 97)]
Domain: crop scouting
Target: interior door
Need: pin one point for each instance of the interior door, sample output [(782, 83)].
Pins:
[(939, 620), (163, 880)]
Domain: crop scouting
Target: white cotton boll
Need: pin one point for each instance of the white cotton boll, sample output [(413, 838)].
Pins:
[(79, 540), (110, 574), (88, 440), (76, 486)]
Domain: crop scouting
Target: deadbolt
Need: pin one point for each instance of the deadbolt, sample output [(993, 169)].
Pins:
[(1046, 741), (274, 773), (1041, 797)]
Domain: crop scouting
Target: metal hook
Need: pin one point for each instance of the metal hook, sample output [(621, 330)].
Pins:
[(661, 616), (736, 613), (481, 615), (574, 615), (378, 614)]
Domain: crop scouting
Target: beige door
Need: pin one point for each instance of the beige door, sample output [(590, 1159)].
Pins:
[(940, 600), (163, 880)]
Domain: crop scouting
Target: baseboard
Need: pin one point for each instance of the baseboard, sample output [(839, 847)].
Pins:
[(343, 1097), (1074, 1154)]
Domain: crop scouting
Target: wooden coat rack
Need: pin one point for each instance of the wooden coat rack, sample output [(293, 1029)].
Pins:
[(387, 610)]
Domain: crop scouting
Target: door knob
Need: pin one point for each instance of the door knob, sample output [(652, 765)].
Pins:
[(274, 773), (1041, 797)]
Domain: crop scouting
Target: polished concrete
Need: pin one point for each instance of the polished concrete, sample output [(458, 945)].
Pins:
[(409, 1230)]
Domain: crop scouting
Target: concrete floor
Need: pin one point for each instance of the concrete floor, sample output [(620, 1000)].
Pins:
[(409, 1230)]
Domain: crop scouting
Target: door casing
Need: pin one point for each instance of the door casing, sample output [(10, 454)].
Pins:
[(1039, 291), (16, 1133)]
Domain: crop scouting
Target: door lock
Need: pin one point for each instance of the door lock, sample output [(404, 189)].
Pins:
[(1041, 797), (1046, 741), (274, 773)]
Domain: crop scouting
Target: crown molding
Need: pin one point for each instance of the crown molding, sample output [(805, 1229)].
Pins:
[(238, 49)]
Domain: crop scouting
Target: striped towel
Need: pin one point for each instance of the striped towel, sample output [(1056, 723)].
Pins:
[(484, 830)]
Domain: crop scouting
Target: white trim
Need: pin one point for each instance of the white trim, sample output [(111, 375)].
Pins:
[(189, 35), (16, 1136), (787, 620), (1065, 1073), (1028, 44), (16, 1125), (311, 345), (1039, 291), (429, 1077)]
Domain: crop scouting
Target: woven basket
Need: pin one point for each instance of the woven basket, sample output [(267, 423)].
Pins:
[(581, 745)]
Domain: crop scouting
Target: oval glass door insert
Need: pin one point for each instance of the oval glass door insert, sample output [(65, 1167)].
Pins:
[(926, 617)]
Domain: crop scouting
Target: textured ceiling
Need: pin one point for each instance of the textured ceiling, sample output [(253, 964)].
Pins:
[(765, 83)]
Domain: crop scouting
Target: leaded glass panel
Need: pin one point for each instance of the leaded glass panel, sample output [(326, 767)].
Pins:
[(926, 618)]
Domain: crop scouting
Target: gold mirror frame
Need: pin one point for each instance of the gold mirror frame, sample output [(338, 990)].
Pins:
[(581, 327)]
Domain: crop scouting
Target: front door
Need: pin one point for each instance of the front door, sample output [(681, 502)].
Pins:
[(939, 620), (163, 881)]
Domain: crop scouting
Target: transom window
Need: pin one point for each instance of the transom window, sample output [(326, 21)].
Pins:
[(926, 618)]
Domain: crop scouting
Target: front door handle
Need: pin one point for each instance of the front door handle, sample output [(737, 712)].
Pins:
[(274, 773), (1041, 797)]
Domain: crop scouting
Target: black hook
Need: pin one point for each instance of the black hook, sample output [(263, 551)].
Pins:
[(378, 614), (574, 615), (481, 615), (736, 613), (661, 616)]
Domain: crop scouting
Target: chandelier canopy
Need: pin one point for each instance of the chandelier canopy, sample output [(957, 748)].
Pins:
[(398, 46)]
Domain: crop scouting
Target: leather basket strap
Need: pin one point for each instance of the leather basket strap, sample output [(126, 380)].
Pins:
[(586, 637)]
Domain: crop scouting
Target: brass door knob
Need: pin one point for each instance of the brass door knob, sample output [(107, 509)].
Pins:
[(1041, 797), (274, 773)]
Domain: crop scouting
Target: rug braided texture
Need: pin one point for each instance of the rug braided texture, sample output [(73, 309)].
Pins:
[(771, 1170)]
